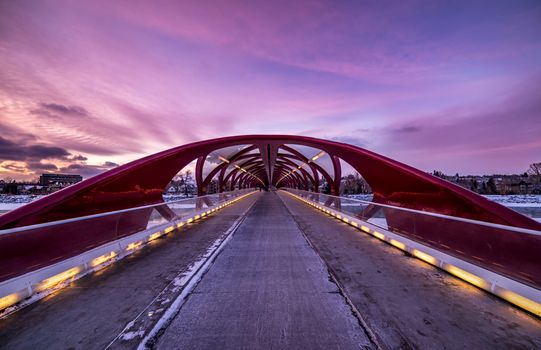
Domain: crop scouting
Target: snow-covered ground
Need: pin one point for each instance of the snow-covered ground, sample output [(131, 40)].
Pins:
[(518, 200), (8, 202), (362, 197), (175, 197), (522, 200), (20, 200)]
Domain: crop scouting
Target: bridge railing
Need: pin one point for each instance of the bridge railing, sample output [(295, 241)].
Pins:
[(512, 252), (34, 258)]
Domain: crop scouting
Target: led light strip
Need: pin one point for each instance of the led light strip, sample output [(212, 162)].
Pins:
[(512, 291), (249, 173), (225, 160), (43, 282), (313, 159)]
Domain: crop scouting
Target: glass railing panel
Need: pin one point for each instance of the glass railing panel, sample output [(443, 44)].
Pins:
[(29, 248), (509, 251), (34, 248)]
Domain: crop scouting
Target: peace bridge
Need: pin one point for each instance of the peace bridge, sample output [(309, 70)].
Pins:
[(267, 261)]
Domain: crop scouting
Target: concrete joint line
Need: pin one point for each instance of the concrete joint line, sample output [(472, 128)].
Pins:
[(151, 338), (374, 339)]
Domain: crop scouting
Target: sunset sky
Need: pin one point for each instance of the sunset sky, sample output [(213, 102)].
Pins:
[(86, 85)]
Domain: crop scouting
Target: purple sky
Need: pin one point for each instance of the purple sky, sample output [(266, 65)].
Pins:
[(85, 85)]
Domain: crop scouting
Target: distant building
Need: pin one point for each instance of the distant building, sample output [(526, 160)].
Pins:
[(497, 184), (59, 179)]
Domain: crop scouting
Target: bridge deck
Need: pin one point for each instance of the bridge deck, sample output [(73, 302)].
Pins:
[(267, 289), (270, 287)]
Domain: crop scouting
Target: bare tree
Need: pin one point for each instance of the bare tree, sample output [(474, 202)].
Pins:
[(9, 180), (535, 169), (187, 177)]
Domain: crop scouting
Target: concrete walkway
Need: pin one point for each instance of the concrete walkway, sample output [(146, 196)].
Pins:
[(93, 311), (407, 303), (268, 289)]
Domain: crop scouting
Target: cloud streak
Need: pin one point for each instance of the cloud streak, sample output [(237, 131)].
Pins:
[(114, 81), (10, 150), (24, 157)]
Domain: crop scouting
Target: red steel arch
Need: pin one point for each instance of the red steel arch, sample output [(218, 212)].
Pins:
[(143, 181)]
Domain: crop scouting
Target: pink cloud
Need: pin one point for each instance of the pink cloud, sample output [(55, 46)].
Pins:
[(151, 76)]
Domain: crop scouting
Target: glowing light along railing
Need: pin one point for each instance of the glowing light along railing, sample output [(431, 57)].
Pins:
[(59, 278), (225, 160), (101, 260), (249, 173), (313, 159), (62, 279), (510, 296)]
